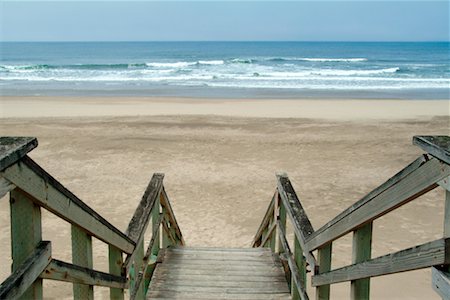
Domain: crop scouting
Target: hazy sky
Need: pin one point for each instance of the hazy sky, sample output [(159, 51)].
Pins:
[(219, 20)]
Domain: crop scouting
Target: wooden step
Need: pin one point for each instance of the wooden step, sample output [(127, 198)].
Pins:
[(219, 273)]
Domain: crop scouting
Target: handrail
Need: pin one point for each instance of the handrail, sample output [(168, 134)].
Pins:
[(421, 176), (31, 188), (52, 195)]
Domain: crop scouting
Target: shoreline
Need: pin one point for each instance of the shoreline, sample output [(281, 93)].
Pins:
[(327, 109)]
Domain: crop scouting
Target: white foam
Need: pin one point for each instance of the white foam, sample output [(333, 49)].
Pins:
[(211, 62), (178, 64), (331, 59)]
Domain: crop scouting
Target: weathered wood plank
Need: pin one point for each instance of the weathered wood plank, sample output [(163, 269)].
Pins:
[(115, 258), (216, 296), (300, 221), (362, 250), (145, 261), (441, 282), (324, 255), (82, 256), (216, 249), (230, 271), (413, 185), (26, 234), (230, 290), (219, 262), (419, 257), (5, 186), (445, 183), (220, 256), (280, 286), (161, 275), (164, 201), (27, 273), (297, 278), (269, 236), (139, 221), (12, 149), (438, 146), (62, 271), (264, 223), (49, 193), (281, 220)]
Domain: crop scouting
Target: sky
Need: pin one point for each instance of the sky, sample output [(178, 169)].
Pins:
[(225, 21)]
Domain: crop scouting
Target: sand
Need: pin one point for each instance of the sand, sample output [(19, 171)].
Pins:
[(220, 158)]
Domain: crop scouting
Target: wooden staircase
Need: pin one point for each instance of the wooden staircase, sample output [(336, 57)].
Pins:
[(219, 273), (168, 269)]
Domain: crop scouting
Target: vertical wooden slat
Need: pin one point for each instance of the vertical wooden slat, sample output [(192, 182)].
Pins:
[(26, 233), (166, 242), (155, 216), (82, 256), (301, 264), (115, 268), (447, 215), (282, 219), (138, 261), (324, 261), (362, 248)]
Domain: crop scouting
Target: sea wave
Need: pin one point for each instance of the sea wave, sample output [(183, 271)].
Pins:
[(316, 59)]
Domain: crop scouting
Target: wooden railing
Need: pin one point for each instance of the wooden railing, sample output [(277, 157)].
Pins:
[(314, 248), (32, 188)]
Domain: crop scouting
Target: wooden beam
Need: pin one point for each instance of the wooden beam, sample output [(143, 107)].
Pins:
[(419, 257), (300, 221), (12, 149), (52, 195), (27, 273), (164, 201), (5, 186), (115, 268), (413, 185), (264, 223), (438, 146), (324, 255), (139, 221), (281, 217), (26, 234), (362, 250), (82, 256), (441, 282), (145, 259), (269, 234), (297, 278), (62, 271), (445, 184)]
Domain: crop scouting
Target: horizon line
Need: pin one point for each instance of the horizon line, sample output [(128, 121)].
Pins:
[(226, 41)]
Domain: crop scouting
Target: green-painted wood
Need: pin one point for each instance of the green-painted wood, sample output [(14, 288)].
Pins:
[(324, 261), (149, 272), (282, 221), (138, 261), (155, 217), (115, 268), (82, 256), (301, 265), (26, 233), (447, 215), (362, 249), (166, 242)]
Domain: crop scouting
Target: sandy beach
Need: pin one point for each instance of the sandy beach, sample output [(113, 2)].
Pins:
[(220, 157)]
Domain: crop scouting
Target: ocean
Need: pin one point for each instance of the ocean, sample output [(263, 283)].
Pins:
[(227, 69)]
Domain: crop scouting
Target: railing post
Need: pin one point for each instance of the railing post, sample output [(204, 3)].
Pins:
[(362, 247), (82, 256), (137, 268), (301, 265), (166, 242), (282, 219), (324, 262), (155, 215), (115, 268), (26, 233)]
